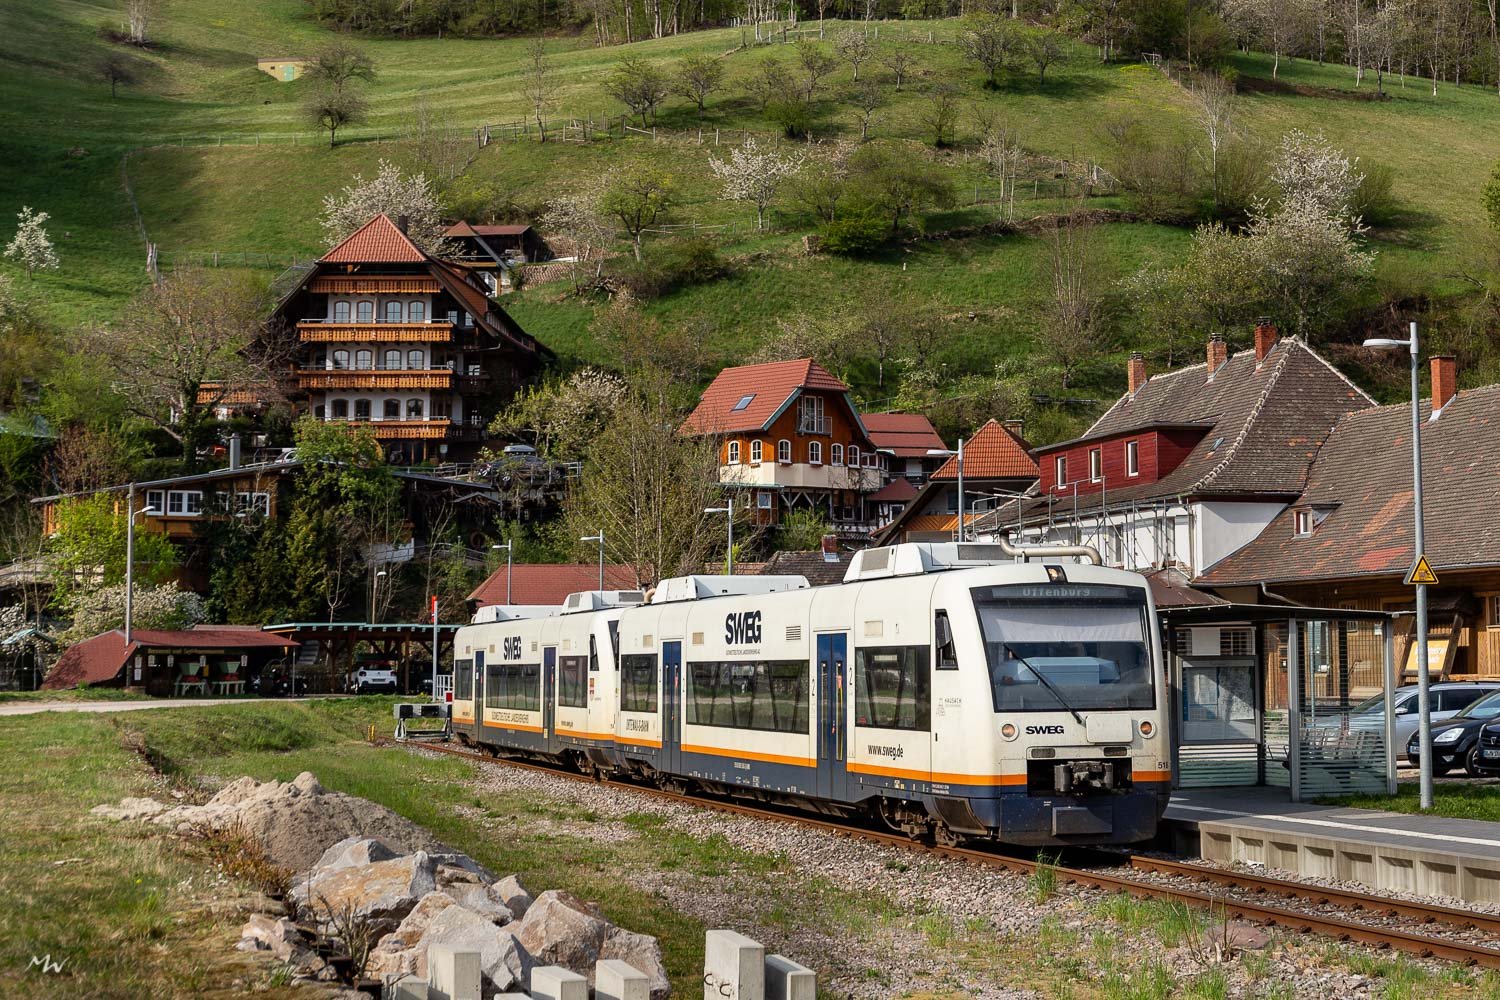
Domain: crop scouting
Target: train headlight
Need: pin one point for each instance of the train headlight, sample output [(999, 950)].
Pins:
[(1148, 728), (1009, 731)]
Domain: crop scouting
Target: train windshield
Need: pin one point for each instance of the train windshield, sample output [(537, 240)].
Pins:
[(1050, 656)]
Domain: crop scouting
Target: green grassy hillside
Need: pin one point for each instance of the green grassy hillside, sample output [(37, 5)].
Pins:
[(223, 161)]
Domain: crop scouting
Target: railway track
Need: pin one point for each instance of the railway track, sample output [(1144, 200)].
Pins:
[(1448, 948)]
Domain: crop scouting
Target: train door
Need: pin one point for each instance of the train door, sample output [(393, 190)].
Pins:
[(549, 693), (671, 708), (833, 715), (479, 694)]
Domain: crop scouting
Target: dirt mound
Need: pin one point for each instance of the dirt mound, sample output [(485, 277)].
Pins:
[(296, 821)]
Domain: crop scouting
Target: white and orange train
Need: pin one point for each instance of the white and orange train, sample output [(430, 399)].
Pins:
[(946, 689)]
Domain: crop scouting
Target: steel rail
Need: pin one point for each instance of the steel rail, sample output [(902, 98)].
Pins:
[(1338, 928)]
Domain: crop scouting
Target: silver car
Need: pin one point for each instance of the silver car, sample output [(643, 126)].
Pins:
[(1448, 699)]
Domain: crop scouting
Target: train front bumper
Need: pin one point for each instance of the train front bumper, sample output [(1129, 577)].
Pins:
[(1125, 817)]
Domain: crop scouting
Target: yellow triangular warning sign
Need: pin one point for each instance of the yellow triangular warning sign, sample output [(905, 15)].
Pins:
[(1421, 572)]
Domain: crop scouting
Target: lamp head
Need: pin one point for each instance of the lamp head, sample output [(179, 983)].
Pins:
[(1386, 344), (940, 453), (716, 510)]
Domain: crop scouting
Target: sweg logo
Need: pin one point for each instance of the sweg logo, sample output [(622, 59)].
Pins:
[(1044, 730), (46, 963), (742, 628), (893, 752), (512, 648)]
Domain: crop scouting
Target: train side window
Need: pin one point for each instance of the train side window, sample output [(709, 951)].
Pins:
[(614, 645), (638, 683), (772, 697), (463, 680), (947, 650), (593, 655), (892, 688), (572, 687)]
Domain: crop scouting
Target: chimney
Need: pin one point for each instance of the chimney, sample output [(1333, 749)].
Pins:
[(1016, 427), (1444, 380), (1218, 353), (1137, 371), (1265, 339), (234, 450), (403, 223)]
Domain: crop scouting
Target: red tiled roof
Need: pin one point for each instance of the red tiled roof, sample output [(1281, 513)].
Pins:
[(460, 228), (907, 435), (768, 388), (99, 660), (992, 453), (898, 490), (551, 583), (1360, 485), (376, 242), (515, 230)]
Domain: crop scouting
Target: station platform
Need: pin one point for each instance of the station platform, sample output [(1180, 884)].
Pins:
[(1430, 855)]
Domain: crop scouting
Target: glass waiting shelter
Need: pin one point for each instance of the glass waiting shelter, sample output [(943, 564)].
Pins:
[(1291, 697)]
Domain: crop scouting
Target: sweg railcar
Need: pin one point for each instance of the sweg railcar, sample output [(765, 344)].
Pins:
[(945, 688)]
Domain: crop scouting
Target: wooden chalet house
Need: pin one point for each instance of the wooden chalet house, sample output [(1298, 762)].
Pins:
[(1190, 465), (910, 447), (490, 251), (407, 344), (791, 439), (1346, 540)]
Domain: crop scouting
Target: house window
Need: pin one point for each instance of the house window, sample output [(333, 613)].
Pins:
[(341, 312), (259, 503), (361, 409), (1132, 458), (364, 360), (815, 452), (744, 402), (854, 456), (414, 409), (734, 453), (812, 419), (1060, 470), (341, 359), (756, 450), (365, 311), (416, 359), (1302, 523), (871, 460), (1494, 608), (417, 312), (392, 360), (156, 500), (835, 454), (393, 312), (763, 501), (339, 408), (1096, 465), (318, 412), (784, 451), (185, 503), (391, 410)]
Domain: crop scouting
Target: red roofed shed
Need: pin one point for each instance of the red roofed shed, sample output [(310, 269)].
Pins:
[(160, 661)]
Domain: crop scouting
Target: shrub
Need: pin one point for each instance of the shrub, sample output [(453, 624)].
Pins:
[(793, 117), (669, 266), (1374, 198), (856, 233)]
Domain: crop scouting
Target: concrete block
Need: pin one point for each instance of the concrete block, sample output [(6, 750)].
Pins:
[(553, 982), (786, 980), (617, 980), (452, 974), (408, 988), (1319, 861), (734, 967)]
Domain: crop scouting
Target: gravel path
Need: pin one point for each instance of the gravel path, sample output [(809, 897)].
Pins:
[(948, 927)]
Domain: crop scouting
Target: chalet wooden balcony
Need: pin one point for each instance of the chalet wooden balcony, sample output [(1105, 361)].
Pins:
[(436, 429), (371, 284), (367, 378), (313, 332)]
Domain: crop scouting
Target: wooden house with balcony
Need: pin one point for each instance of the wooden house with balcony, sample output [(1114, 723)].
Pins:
[(407, 343), (790, 438)]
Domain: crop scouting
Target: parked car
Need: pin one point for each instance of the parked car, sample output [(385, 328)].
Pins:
[(1487, 760), (373, 680), (1456, 742), (276, 682), (1447, 700)]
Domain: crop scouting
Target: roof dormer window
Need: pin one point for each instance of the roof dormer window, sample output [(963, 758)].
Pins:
[(1302, 522)]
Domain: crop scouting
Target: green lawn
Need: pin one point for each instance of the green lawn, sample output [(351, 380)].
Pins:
[(1456, 799)]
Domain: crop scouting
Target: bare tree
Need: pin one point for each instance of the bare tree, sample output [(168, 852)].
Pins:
[(538, 84), (638, 85), (138, 17), (815, 63), (1215, 114), (337, 70), (868, 98), (900, 61), (940, 112), (854, 48), (988, 40), (579, 218), (1071, 327), (442, 149), (185, 346), (768, 81), (1045, 48), (115, 68)]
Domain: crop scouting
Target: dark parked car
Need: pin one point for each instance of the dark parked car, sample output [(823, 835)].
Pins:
[(1456, 743), (1488, 757)]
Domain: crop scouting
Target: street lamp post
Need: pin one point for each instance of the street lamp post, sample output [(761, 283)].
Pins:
[(509, 548), (130, 516), (1424, 697), (600, 539), (374, 587), (729, 552)]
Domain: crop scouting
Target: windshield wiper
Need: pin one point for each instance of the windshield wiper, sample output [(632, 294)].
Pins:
[(1050, 686)]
